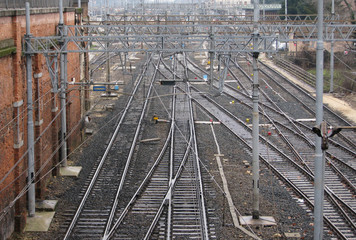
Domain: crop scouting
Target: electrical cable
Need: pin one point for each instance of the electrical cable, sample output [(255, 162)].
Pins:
[(24, 190), (76, 71), (204, 166), (26, 152)]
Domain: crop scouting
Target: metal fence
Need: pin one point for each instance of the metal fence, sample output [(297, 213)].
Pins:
[(11, 4)]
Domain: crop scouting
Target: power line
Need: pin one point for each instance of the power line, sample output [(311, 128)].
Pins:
[(7, 125), (23, 191)]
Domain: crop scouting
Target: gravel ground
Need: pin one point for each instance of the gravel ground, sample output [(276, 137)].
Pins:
[(275, 201)]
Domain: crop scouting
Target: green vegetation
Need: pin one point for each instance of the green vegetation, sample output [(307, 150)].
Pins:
[(7, 51), (341, 83), (270, 1), (7, 47), (299, 7)]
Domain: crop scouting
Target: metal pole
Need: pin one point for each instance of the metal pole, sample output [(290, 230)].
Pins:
[(108, 69), (63, 59), (63, 73), (255, 119), (211, 59), (319, 154), (171, 165), (211, 69), (286, 8), (143, 8), (61, 12), (30, 125), (332, 50), (106, 9), (101, 10)]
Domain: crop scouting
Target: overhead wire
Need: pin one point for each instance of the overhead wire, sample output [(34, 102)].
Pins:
[(204, 165), (43, 95), (37, 139), (25, 189), (26, 152)]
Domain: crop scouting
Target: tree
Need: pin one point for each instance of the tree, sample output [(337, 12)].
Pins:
[(299, 7)]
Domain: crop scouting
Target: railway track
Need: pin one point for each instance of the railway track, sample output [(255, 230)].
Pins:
[(94, 208), (339, 183), (165, 199), (168, 202), (346, 140), (296, 71), (292, 172), (308, 101)]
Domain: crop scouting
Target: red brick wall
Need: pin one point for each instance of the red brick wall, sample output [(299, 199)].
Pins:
[(13, 90)]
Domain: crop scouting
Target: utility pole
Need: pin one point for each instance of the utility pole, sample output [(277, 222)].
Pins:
[(106, 10), (319, 153), (143, 7), (30, 126), (255, 117), (101, 10), (108, 91), (212, 46), (63, 73), (332, 50)]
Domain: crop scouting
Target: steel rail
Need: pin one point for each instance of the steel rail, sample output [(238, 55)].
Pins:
[(328, 110), (300, 135), (169, 191), (108, 231), (167, 196), (204, 221), (307, 174), (298, 88), (301, 90), (198, 179), (291, 121), (275, 109), (97, 171), (248, 145), (330, 157), (144, 182), (171, 164), (174, 74), (312, 146), (309, 142)]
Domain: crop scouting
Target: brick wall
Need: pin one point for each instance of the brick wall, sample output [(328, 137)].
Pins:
[(13, 113)]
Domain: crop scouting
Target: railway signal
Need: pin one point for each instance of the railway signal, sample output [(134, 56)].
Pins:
[(326, 132)]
